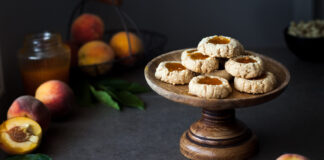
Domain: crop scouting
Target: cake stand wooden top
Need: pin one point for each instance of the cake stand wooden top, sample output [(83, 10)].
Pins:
[(179, 93)]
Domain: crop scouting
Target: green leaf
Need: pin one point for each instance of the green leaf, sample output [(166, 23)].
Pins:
[(104, 98), (109, 90), (37, 156), (137, 88), (129, 99)]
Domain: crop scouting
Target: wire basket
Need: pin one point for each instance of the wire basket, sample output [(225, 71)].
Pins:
[(153, 42)]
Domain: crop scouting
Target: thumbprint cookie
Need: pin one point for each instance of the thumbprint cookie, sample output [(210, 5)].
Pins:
[(263, 84), (198, 62), (173, 72), (220, 46), (209, 87), (245, 66)]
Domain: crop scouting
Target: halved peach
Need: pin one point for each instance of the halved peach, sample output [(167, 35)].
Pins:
[(20, 135)]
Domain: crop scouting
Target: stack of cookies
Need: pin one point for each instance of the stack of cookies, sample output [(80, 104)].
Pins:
[(202, 69)]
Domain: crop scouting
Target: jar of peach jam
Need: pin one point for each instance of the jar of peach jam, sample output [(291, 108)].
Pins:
[(43, 57)]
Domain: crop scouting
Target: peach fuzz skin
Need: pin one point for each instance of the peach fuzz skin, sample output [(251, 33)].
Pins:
[(57, 97), (28, 106), (95, 52), (120, 44), (87, 27)]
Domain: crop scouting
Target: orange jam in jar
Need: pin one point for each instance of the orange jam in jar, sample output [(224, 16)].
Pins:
[(42, 58)]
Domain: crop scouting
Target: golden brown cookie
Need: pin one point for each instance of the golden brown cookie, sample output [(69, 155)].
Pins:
[(209, 87), (245, 66), (220, 46), (173, 72), (262, 84), (198, 62)]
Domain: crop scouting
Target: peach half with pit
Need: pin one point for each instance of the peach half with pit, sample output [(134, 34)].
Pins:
[(28, 106), (57, 96), (20, 135)]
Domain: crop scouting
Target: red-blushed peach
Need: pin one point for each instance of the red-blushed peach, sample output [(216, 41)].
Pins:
[(28, 106), (87, 27), (20, 135), (57, 96), (292, 156)]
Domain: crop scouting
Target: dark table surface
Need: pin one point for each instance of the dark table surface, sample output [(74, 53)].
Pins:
[(293, 122)]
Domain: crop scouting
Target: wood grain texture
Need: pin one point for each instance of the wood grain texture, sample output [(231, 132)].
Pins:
[(179, 93), (218, 135)]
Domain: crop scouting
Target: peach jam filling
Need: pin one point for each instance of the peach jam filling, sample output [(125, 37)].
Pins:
[(191, 51), (17, 134), (174, 67), (219, 40), (245, 60), (198, 56), (210, 81)]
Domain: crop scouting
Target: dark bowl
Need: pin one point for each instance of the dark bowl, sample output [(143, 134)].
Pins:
[(309, 49)]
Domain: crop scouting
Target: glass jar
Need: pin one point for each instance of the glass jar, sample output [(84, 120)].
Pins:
[(43, 57)]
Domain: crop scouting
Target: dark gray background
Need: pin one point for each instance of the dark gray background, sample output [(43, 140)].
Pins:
[(291, 123), (256, 23)]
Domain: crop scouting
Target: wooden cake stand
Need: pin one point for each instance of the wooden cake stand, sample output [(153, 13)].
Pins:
[(218, 135)]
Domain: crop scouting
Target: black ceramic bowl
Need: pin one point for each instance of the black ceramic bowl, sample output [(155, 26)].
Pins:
[(309, 49)]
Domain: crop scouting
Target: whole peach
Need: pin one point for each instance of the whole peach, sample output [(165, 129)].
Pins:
[(87, 27), (57, 96), (28, 106), (95, 52), (126, 44), (120, 44), (291, 156), (95, 58)]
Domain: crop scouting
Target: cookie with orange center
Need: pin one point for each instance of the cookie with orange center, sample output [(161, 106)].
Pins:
[(209, 87), (173, 72), (245, 66), (198, 62), (262, 84), (220, 46)]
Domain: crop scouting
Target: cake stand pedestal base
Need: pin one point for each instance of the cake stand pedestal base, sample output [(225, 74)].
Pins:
[(218, 135)]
